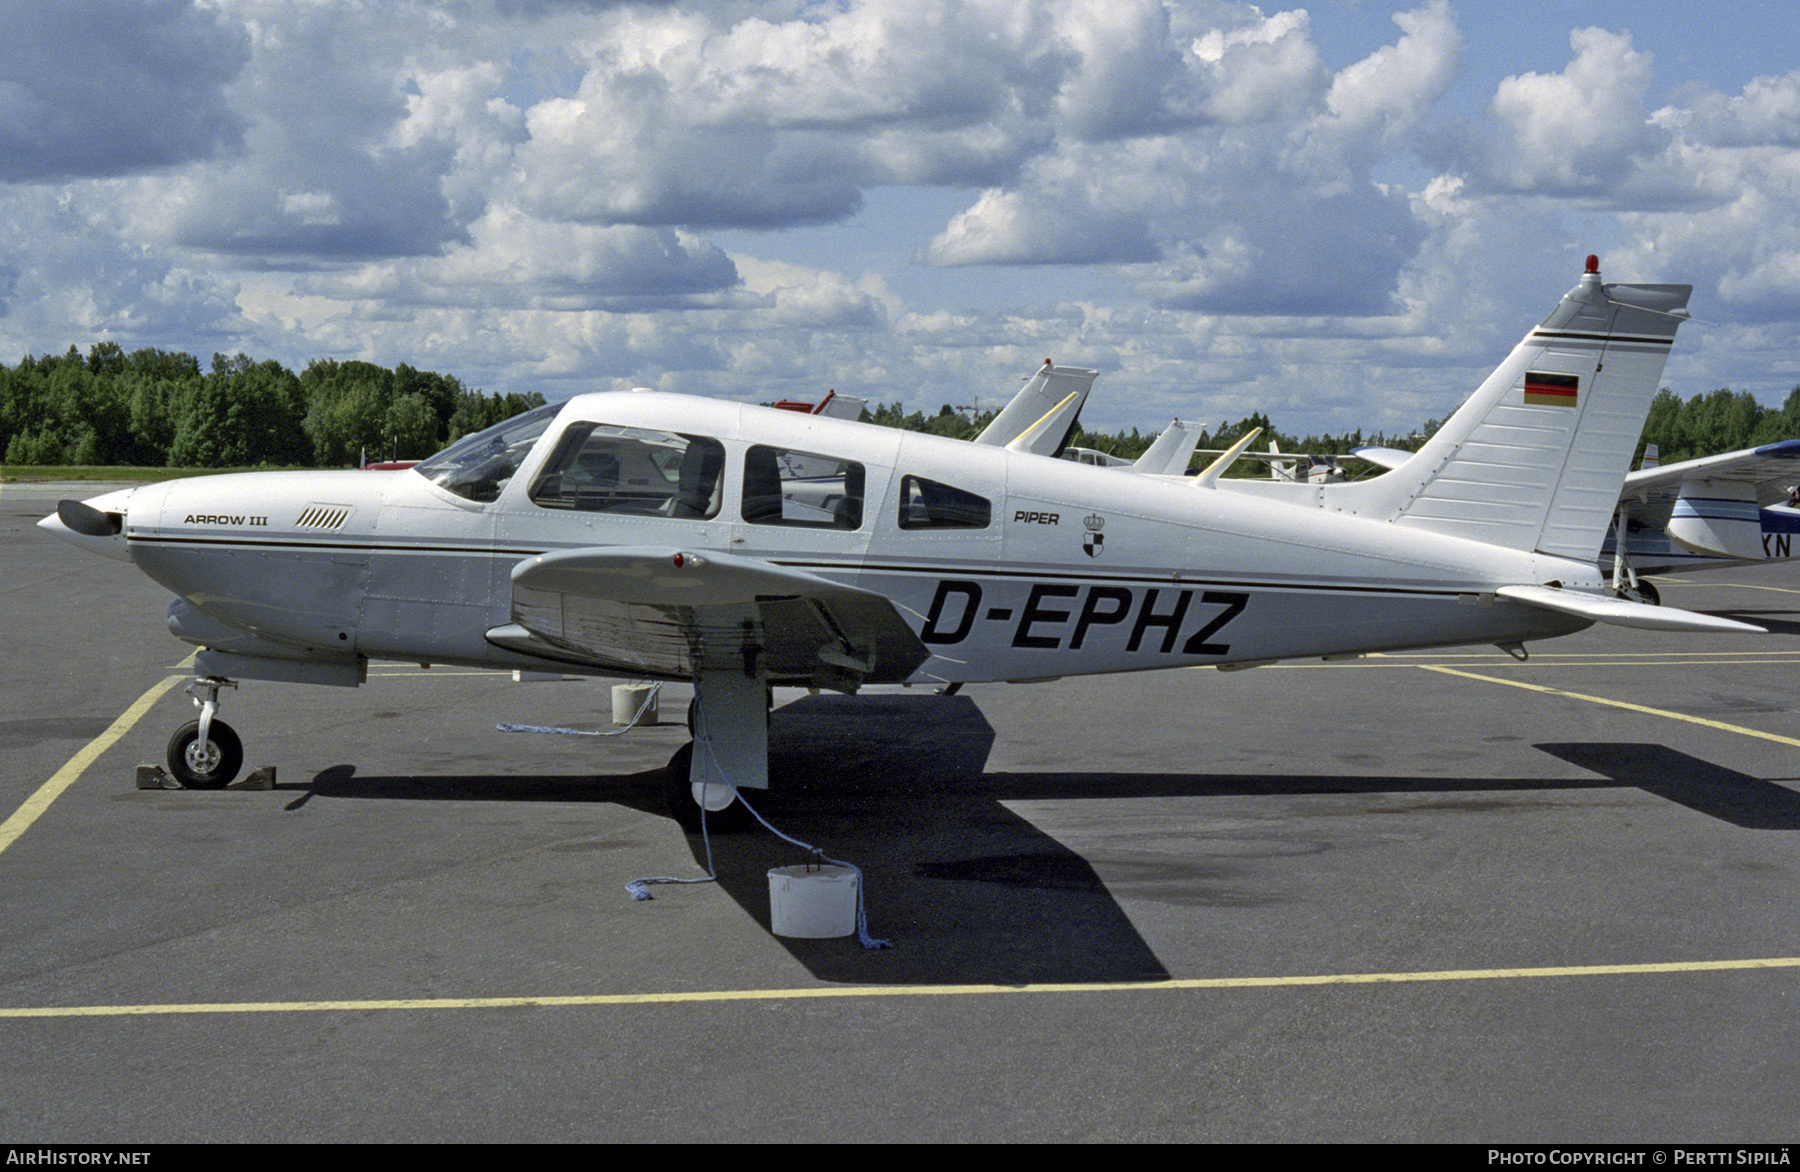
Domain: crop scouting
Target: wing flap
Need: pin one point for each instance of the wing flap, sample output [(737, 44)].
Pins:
[(668, 612)]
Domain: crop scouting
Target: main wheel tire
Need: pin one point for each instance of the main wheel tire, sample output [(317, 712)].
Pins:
[(679, 791), (212, 765)]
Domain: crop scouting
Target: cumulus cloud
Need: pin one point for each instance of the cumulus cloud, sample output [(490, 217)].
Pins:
[(1015, 228), (1200, 197), (1580, 132), (68, 277), (1228, 214), (1258, 69), (1766, 113), (514, 260), (342, 158), (1374, 104)]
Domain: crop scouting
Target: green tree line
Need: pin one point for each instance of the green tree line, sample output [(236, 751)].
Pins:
[(160, 409), (1723, 421), (156, 408), (1682, 429), (1129, 445)]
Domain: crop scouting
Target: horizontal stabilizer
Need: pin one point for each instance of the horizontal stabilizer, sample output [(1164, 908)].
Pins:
[(1382, 457), (1621, 613)]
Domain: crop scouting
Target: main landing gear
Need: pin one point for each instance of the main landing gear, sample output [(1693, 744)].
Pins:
[(1625, 581), (206, 753), (729, 721), (678, 791)]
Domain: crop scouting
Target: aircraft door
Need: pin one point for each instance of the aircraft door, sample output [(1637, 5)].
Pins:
[(803, 502)]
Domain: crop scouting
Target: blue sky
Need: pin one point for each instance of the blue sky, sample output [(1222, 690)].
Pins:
[(1341, 215)]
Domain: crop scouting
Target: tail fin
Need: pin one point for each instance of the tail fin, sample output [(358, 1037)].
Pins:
[(1170, 452), (1046, 407), (1536, 457)]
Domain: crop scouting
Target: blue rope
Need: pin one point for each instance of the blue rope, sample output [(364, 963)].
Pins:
[(649, 702), (636, 888)]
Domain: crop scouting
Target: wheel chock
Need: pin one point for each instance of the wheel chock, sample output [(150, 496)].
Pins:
[(156, 777)]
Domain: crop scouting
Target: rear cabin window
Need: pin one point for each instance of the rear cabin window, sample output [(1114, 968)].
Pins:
[(604, 468), (930, 504), (803, 489)]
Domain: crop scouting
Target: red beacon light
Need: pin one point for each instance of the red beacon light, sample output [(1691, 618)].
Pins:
[(1593, 263)]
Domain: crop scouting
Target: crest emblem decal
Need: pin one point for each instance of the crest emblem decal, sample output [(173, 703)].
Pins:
[(1093, 541)]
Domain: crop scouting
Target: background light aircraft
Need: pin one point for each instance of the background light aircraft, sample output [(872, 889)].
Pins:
[(649, 535), (1727, 510)]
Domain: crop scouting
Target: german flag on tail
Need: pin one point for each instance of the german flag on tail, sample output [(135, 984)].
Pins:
[(1551, 390)]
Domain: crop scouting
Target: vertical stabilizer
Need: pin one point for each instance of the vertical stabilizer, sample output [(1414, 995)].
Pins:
[(1046, 407), (1535, 459), (1170, 452)]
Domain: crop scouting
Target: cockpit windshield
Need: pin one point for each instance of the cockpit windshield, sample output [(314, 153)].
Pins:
[(478, 466)]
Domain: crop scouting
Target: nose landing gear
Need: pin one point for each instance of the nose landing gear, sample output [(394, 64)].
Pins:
[(206, 753)]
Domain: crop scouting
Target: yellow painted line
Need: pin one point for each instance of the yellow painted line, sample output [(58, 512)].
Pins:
[(1701, 720), (852, 992), (37, 803), (1575, 656), (1729, 659)]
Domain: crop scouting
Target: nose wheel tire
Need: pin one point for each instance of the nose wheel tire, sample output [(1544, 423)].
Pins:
[(209, 765)]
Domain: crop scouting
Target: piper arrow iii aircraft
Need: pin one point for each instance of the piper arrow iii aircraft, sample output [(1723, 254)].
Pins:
[(648, 535)]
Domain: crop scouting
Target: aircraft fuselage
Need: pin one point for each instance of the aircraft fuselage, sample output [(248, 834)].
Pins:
[(1029, 567)]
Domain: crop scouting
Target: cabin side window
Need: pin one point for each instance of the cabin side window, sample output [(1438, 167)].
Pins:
[(804, 489), (931, 504), (604, 468)]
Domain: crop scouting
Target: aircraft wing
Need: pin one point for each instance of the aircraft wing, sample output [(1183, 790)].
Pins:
[(1385, 458), (663, 612), (1650, 494)]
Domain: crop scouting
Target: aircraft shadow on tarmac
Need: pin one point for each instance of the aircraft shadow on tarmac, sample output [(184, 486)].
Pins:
[(1701, 786), (970, 891), (1763, 618)]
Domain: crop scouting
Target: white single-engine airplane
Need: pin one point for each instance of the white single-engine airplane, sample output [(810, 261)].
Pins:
[(647, 535)]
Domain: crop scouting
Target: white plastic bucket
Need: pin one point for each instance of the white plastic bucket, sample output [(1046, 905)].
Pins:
[(812, 903)]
